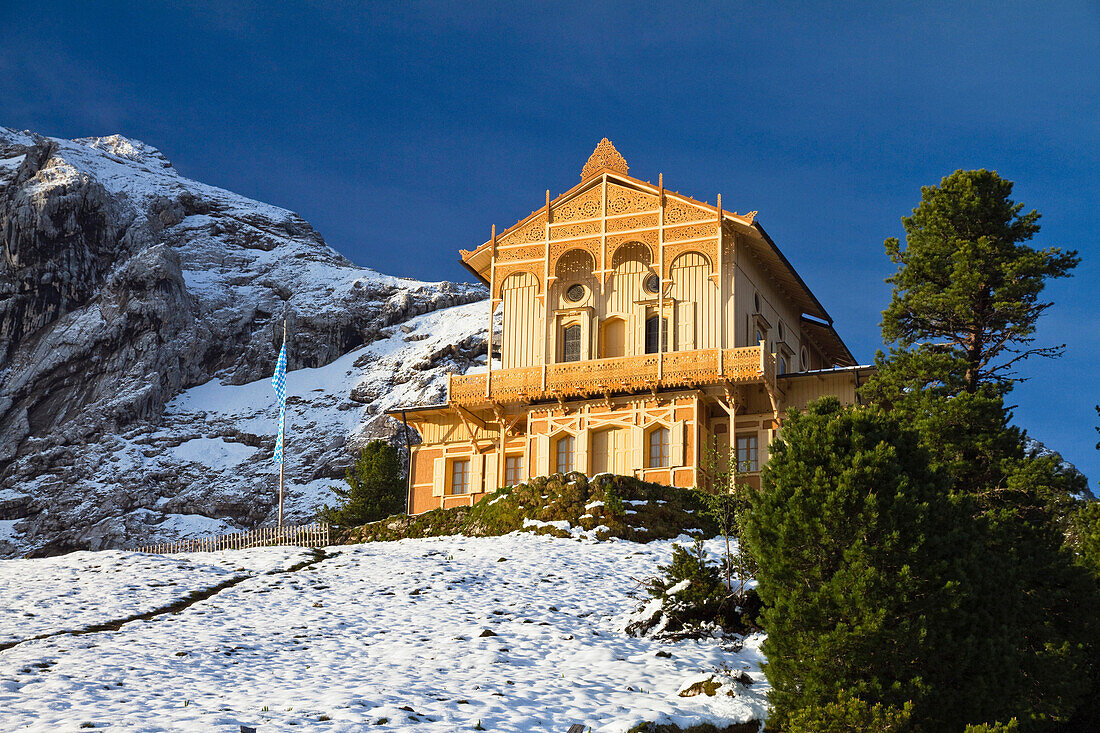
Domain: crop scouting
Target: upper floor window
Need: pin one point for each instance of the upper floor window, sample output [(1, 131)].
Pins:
[(564, 454), (460, 477), (651, 335), (747, 458), (575, 293), (782, 365), (658, 448), (571, 343)]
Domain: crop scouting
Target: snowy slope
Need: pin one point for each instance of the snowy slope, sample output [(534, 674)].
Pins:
[(387, 635)]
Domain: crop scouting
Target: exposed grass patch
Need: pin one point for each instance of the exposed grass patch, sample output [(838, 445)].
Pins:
[(614, 506), (751, 727)]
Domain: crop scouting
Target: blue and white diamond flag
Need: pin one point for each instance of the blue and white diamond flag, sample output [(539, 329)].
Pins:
[(278, 381)]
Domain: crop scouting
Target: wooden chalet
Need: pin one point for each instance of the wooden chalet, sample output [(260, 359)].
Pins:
[(641, 328)]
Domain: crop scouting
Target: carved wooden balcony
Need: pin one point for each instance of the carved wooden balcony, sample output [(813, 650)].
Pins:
[(581, 379)]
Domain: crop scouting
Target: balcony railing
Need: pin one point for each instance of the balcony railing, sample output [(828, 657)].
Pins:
[(605, 376)]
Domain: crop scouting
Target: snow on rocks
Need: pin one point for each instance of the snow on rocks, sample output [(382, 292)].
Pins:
[(388, 631), (157, 287)]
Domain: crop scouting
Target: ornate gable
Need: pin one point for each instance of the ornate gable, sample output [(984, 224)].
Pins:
[(604, 157)]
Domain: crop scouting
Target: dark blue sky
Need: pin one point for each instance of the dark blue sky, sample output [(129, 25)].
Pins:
[(403, 131)]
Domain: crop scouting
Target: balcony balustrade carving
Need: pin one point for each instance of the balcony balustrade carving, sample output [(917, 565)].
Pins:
[(581, 379)]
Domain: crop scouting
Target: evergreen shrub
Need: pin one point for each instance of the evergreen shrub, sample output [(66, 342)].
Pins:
[(375, 488)]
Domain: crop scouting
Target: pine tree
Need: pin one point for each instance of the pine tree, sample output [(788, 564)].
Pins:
[(963, 314), (375, 487), (967, 281)]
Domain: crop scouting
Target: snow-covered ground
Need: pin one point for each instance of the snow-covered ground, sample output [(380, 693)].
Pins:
[(519, 633)]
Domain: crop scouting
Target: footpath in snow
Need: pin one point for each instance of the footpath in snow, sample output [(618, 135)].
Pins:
[(517, 633)]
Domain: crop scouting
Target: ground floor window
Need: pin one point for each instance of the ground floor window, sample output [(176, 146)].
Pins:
[(747, 453), (658, 448), (513, 470), (564, 454), (460, 477)]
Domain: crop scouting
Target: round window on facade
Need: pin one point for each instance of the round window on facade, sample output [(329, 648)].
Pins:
[(575, 293), (652, 284), (805, 355), (781, 330), (756, 301)]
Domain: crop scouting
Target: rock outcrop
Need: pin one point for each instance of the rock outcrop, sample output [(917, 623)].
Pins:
[(125, 287)]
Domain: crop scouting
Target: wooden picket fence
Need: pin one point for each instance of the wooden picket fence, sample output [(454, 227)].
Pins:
[(305, 535)]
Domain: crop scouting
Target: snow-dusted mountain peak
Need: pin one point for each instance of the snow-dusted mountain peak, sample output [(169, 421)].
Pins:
[(125, 285)]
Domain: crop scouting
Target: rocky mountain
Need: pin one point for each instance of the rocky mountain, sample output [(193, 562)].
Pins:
[(141, 313)]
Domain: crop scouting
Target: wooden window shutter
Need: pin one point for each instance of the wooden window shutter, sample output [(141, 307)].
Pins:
[(492, 468), (439, 476), (676, 444), (637, 346), (477, 463), (542, 448), (685, 325), (637, 448), (580, 457)]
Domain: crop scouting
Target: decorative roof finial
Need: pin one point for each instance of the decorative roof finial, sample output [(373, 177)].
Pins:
[(604, 156)]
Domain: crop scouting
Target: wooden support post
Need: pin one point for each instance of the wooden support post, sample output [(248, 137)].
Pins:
[(721, 296), (546, 293), (597, 321), (661, 278), (492, 300)]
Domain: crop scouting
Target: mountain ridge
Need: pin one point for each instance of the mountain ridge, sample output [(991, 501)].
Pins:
[(126, 289)]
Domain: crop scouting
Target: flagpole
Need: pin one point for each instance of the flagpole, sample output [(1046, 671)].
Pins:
[(282, 431)]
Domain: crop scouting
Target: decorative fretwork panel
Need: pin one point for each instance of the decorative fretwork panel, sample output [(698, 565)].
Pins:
[(532, 231), (629, 223), (678, 212), (632, 250), (577, 230), (604, 156), (627, 374), (649, 239), (557, 249), (589, 205), (503, 272), (694, 231), (525, 252), (707, 249), (621, 200)]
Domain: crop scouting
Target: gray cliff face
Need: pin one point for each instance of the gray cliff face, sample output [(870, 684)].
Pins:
[(124, 287)]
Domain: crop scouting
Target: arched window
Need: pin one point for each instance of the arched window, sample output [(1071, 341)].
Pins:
[(563, 451), (658, 448), (782, 365), (651, 345), (571, 343)]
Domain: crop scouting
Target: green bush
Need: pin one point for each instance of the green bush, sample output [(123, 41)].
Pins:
[(693, 595), (1084, 535), (375, 488), (849, 714), (1010, 727), (667, 511), (870, 574)]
